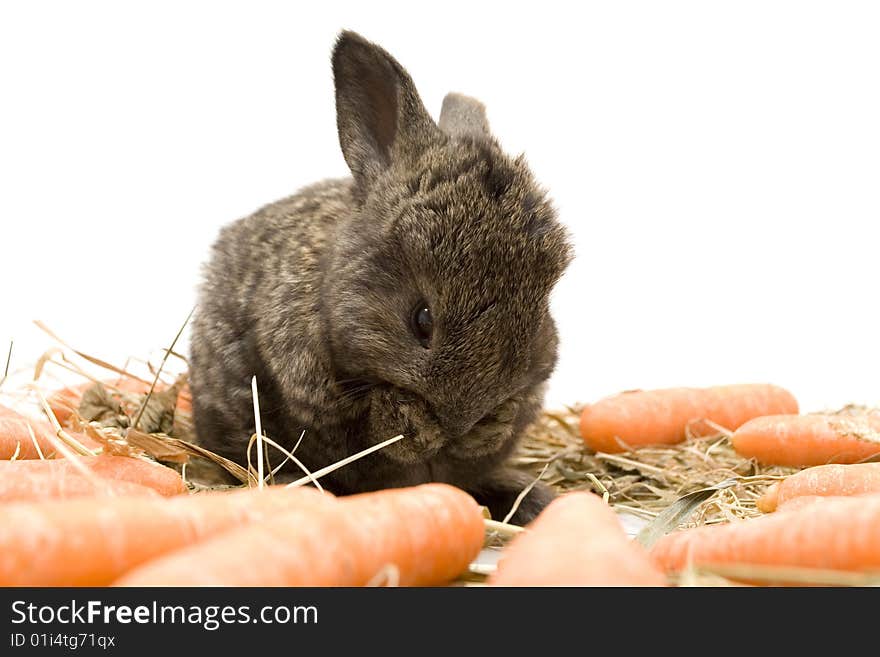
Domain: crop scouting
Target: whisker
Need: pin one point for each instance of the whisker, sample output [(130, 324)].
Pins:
[(351, 396), (357, 379), (353, 392)]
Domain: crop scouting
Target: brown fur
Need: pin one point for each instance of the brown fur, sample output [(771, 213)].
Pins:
[(314, 295)]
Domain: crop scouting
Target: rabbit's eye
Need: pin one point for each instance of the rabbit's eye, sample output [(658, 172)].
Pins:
[(423, 324)]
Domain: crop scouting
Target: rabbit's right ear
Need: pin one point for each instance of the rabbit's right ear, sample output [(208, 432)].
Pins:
[(463, 116), (379, 114)]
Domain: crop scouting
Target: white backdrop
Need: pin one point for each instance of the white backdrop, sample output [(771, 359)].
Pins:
[(717, 164)]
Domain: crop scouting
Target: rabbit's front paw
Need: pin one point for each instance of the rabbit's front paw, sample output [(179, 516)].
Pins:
[(500, 491)]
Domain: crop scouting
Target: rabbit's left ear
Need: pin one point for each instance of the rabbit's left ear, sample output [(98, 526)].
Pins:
[(463, 116), (379, 114)]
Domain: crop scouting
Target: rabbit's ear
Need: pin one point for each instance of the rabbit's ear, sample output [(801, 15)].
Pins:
[(378, 111), (463, 116)]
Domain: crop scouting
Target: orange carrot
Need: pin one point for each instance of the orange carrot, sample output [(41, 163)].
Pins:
[(804, 440), (769, 500), (15, 438), (806, 500), (576, 541), (14, 475), (426, 535), (655, 417), (797, 503), (837, 534), (37, 486), (91, 542), (831, 480)]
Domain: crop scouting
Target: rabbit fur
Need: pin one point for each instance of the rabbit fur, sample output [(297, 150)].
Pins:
[(314, 295)]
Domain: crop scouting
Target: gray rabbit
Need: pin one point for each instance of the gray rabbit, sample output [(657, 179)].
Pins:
[(411, 298)]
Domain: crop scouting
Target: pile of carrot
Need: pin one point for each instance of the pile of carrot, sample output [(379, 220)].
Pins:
[(640, 418), (831, 511), (260, 537), (829, 514), (762, 419)]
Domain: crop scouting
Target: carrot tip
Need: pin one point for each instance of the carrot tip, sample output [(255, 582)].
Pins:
[(768, 502)]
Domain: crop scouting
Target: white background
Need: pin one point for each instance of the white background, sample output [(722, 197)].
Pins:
[(717, 164)]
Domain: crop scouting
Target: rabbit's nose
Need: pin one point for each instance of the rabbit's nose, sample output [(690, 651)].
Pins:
[(458, 422)]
